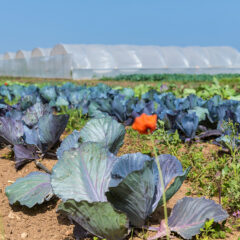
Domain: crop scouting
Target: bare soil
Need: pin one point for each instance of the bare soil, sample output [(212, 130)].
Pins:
[(42, 222)]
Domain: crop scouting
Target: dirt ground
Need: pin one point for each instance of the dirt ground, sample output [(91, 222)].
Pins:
[(42, 222)]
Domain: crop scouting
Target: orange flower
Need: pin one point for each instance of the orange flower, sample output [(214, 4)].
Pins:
[(5, 83), (144, 123)]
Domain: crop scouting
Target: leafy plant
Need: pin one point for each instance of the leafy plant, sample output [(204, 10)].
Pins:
[(231, 138), (104, 193), (189, 215), (231, 185), (33, 189), (141, 89), (171, 140), (33, 133), (76, 119), (212, 230)]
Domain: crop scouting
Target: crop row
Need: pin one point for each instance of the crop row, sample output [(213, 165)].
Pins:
[(101, 193)]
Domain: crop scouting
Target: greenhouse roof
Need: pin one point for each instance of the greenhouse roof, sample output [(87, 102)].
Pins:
[(9, 55), (95, 60), (40, 52), (132, 56), (21, 54)]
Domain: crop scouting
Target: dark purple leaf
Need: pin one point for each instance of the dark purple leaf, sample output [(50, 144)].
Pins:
[(210, 134), (51, 128), (24, 154), (189, 215), (11, 130), (79, 232)]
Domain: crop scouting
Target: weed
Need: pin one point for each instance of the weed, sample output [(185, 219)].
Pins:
[(139, 142), (213, 230), (9, 155), (12, 101), (235, 222), (231, 138), (231, 170), (76, 119), (170, 140)]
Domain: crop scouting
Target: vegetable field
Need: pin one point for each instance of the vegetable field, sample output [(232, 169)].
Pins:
[(110, 161)]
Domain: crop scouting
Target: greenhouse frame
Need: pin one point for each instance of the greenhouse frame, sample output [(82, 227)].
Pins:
[(82, 61)]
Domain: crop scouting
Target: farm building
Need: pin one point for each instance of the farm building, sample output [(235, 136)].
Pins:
[(95, 60)]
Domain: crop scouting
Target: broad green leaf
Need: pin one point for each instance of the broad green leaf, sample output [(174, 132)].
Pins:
[(51, 128), (171, 168), (30, 190), (71, 141), (175, 186), (98, 218), (83, 173), (106, 131), (134, 195), (201, 113)]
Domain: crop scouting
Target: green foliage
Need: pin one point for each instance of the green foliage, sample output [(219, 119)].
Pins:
[(11, 102), (141, 89), (231, 171), (232, 139), (213, 230), (235, 222), (171, 77), (26, 81), (231, 185), (76, 119), (9, 155), (170, 140), (205, 91), (139, 142), (213, 176)]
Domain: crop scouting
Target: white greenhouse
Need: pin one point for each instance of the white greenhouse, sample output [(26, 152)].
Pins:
[(95, 60)]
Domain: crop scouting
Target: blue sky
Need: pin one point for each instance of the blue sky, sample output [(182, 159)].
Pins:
[(25, 24)]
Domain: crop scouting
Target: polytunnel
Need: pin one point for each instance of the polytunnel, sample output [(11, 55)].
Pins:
[(1, 64), (9, 55), (8, 65), (78, 61), (86, 61), (39, 63), (40, 52), (21, 54), (21, 63)]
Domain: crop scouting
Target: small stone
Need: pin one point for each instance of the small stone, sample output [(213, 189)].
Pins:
[(67, 233), (12, 216), (24, 235)]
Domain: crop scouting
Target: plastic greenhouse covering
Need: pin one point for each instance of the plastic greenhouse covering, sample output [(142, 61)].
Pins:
[(40, 52), (88, 61)]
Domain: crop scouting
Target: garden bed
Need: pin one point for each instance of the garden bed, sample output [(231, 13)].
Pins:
[(189, 127), (42, 222)]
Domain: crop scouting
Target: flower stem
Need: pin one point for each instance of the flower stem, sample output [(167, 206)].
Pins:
[(162, 185)]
